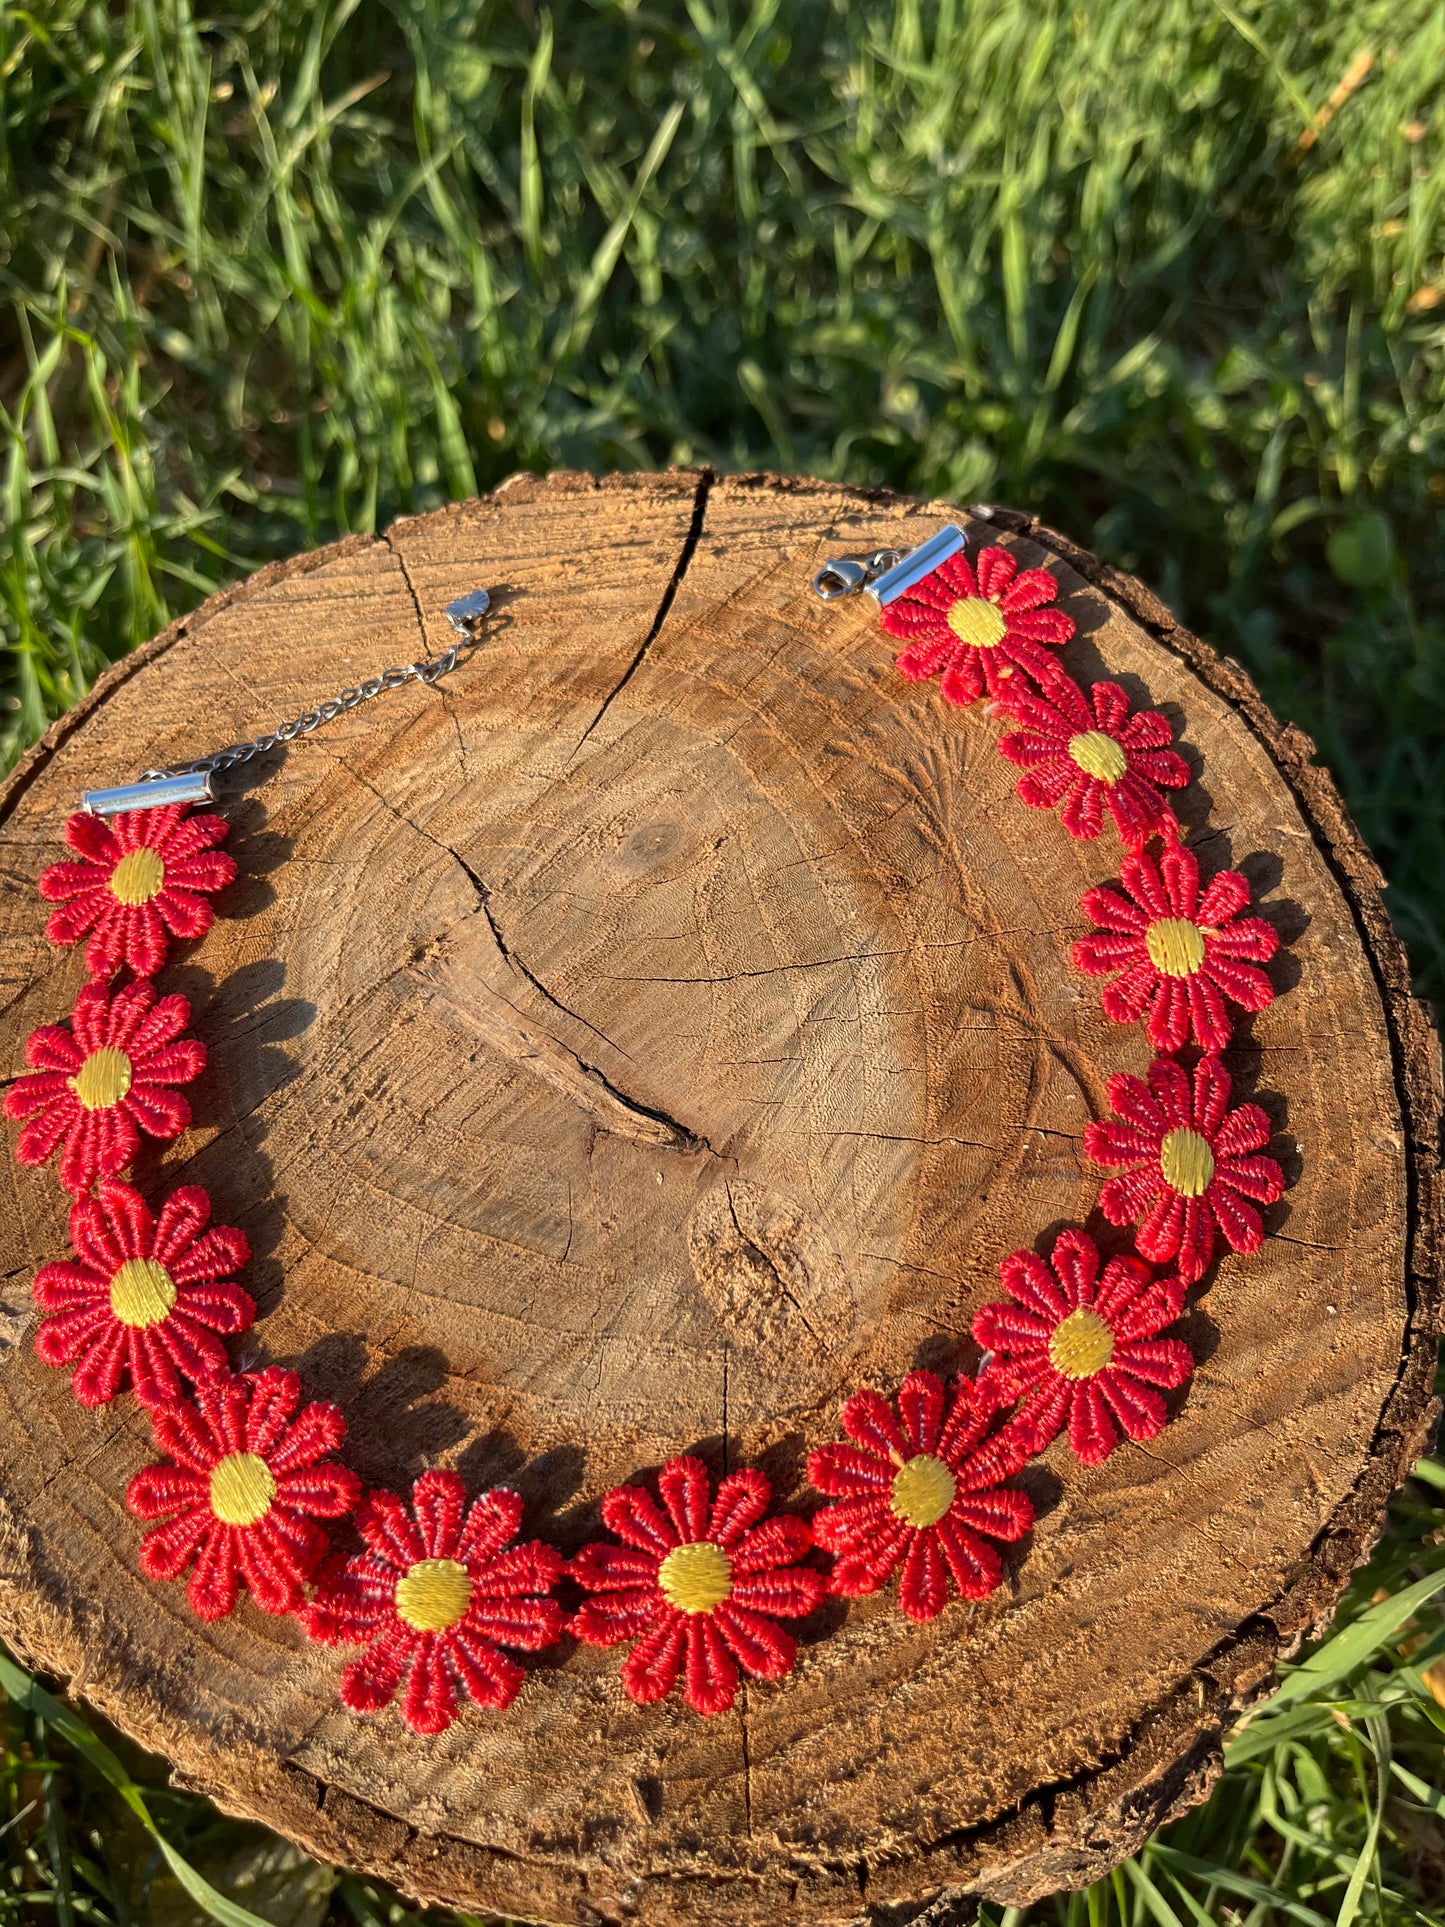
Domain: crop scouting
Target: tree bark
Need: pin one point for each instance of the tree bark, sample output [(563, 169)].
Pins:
[(634, 1043)]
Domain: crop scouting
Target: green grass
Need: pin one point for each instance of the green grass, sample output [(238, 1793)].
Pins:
[(278, 274), (1169, 273)]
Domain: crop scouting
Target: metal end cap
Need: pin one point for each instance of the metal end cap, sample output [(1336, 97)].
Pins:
[(467, 610)]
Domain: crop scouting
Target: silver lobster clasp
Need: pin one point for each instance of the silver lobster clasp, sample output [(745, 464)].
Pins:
[(845, 575), (887, 572)]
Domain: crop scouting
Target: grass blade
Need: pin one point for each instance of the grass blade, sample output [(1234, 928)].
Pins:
[(1357, 1642), (24, 1691)]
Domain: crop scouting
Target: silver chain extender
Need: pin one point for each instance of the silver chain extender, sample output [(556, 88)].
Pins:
[(190, 782), (884, 575), (887, 573)]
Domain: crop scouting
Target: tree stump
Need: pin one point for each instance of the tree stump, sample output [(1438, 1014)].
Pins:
[(631, 1045)]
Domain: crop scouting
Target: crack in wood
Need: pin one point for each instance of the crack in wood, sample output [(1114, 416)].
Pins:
[(410, 589), (669, 594), (561, 1066), (509, 956), (540, 1052)]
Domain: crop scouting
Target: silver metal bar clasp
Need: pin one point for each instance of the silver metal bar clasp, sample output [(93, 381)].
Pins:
[(886, 574), (148, 795)]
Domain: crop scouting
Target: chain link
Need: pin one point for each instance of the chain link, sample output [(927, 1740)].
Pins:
[(465, 617), (846, 574)]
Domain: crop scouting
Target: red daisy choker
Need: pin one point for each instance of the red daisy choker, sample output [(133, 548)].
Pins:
[(700, 1578)]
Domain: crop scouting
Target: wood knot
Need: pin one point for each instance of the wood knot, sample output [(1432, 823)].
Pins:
[(774, 1282), (649, 846)]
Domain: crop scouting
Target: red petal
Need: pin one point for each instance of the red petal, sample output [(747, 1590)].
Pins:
[(634, 1516), (389, 1530), (711, 1681), (760, 1647), (488, 1675), (429, 1704), (1092, 1436), (370, 1682), (923, 1589), (684, 1487), (650, 1670), (742, 1499), (920, 1410), (777, 1542), (975, 1566), (494, 1520), (439, 1502)]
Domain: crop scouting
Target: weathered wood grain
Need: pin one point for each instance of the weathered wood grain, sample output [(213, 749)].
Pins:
[(628, 1046)]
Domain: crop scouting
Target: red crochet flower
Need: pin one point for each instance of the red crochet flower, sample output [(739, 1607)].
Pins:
[(1082, 1350), (1187, 1169), (434, 1600), (99, 1084), (250, 1477), (1179, 955), (923, 1489), (144, 1295), (141, 875), (979, 629), (1086, 757), (699, 1587)]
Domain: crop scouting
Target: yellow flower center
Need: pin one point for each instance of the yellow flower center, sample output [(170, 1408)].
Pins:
[(1175, 946), (1187, 1163), (103, 1079), (141, 1293), (978, 622), (1082, 1344), (1098, 755), (242, 1489), (433, 1594), (695, 1578), (923, 1490), (139, 876)]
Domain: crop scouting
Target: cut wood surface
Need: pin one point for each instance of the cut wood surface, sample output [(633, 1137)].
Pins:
[(632, 1044)]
